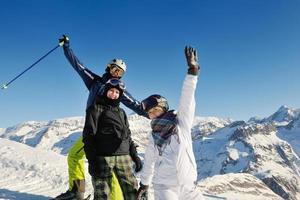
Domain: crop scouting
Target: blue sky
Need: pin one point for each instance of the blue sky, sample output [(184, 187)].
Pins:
[(248, 50)]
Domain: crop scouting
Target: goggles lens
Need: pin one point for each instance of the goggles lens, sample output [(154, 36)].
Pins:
[(149, 103)]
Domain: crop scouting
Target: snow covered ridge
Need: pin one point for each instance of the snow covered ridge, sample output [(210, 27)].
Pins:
[(256, 149), (203, 126), (236, 159), (271, 159), (283, 114), (57, 135)]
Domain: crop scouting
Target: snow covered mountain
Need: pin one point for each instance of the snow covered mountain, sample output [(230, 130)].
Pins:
[(57, 135), (283, 114), (257, 149), (203, 126), (258, 159)]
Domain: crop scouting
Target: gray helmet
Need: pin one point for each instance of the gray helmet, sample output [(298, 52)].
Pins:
[(155, 100)]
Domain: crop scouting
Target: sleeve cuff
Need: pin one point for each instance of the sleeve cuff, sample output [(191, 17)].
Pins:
[(193, 71)]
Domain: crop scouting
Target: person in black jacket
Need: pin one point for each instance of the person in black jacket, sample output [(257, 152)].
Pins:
[(95, 84), (107, 143)]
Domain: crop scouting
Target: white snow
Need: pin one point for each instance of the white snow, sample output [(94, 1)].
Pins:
[(28, 173), (33, 162), (209, 152), (203, 126), (293, 138)]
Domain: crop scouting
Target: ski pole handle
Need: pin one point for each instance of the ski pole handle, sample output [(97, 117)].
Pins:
[(63, 40)]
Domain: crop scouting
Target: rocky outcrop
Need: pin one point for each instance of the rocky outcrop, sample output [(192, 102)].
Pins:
[(237, 186)]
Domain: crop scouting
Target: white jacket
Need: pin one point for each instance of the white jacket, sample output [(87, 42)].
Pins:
[(177, 165)]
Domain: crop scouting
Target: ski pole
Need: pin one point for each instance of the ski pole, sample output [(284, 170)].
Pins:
[(5, 86)]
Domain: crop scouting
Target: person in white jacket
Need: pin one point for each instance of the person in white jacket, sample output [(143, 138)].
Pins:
[(169, 158)]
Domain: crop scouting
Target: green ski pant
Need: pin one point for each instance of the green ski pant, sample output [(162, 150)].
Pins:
[(76, 158)]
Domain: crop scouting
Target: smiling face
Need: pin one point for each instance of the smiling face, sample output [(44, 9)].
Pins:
[(113, 93), (155, 112), (116, 72)]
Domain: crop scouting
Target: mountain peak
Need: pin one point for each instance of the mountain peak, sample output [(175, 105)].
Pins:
[(283, 108), (283, 114)]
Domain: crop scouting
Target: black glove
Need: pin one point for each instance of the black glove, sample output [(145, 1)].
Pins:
[(135, 158), (142, 193), (192, 60), (64, 41), (138, 164)]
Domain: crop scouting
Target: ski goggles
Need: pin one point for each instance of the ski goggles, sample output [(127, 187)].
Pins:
[(116, 83), (116, 69)]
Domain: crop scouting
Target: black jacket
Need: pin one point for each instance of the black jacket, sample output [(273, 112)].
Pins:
[(106, 131)]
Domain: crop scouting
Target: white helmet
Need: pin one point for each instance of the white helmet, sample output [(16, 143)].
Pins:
[(117, 62)]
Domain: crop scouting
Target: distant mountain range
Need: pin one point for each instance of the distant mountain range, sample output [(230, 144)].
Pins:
[(257, 159)]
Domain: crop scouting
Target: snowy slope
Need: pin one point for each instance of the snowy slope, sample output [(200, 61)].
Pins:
[(268, 152), (140, 128), (29, 173), (291, 134)]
